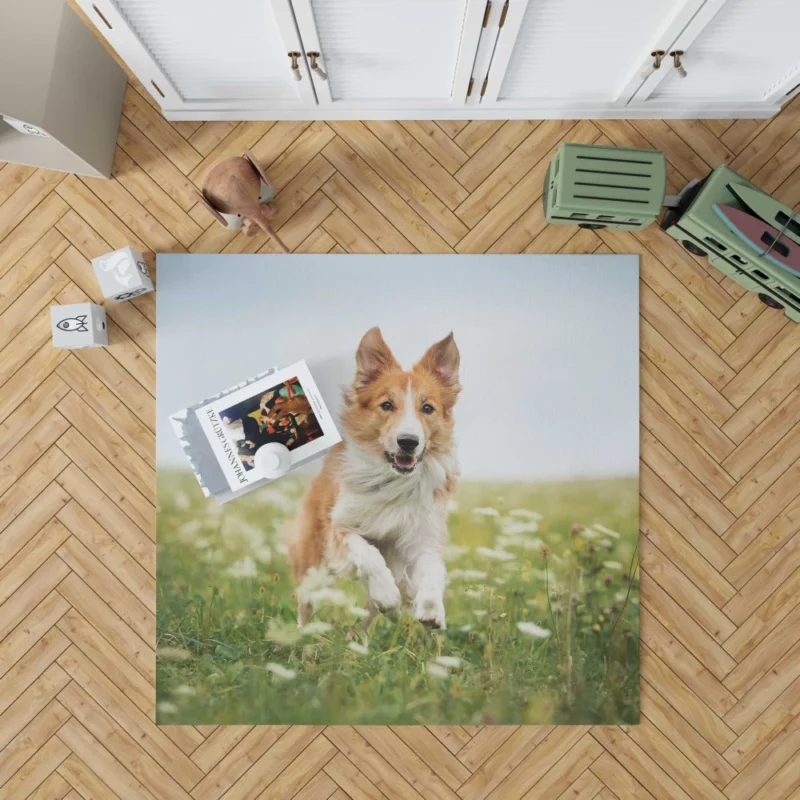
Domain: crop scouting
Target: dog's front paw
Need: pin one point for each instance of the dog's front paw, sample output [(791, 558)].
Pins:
[(429, 610), (383, 592)]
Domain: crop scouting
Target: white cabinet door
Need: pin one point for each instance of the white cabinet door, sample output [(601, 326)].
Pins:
[(208, 55), (390, 54), (579, 54), (735, 51)]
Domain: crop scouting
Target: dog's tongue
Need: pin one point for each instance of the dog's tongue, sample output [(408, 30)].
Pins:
[(403, 460)]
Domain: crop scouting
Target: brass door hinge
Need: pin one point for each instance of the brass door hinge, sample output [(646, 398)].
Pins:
[(486, 13), (469, 88), (503, 15), (483, 88)]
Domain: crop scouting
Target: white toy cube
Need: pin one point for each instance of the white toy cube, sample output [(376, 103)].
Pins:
[(122, 274), (79, 325)]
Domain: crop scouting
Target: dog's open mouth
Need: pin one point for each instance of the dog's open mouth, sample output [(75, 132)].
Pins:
[(403, 463)]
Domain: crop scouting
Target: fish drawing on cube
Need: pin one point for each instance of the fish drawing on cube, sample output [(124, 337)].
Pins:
[(78, 325), (122, 274)]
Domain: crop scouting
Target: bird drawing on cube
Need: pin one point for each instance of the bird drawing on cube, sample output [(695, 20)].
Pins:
[(79, 325), (122, 274)]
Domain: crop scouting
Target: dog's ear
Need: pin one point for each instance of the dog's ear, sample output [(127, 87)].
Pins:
[(443, 360), (372, 357)]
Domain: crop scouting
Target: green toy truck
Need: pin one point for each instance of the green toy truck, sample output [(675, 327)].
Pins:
[(594, 187), (700, 230)]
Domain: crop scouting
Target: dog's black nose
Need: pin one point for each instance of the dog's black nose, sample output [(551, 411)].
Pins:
[(407, 443)]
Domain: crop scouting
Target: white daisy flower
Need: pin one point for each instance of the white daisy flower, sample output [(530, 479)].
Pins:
[(173, 654), (465, 628), (182, 501), (530, 629), (606, 531), (189, 530), (313, 581), (525, 513), (316, 627), (615, 565), (468, 574), (437, 671), (451, 662), (474, 593), (516, 528), (480, 613), (282, 632), (262, 553), (333, 597), (246, 568), (167, 708), (281, 671), (497, 555), (184, 691), (356, 647), (454, 551), (486, 511), (534, 544)]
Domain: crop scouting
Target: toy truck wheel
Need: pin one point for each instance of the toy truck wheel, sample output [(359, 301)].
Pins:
[(592, 226), (769, 301), (693, 248)]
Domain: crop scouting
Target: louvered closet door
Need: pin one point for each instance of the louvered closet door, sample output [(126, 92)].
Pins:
[(390, 53), (208, 54), (568, 53), (747, 51)]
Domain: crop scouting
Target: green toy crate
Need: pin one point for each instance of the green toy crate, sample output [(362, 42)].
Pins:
[(605, 187), (695, 224)]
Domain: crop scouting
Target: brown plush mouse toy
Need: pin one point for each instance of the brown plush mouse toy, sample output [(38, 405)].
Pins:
[(237, 191)]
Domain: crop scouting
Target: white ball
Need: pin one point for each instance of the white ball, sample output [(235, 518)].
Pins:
[(273, 460)]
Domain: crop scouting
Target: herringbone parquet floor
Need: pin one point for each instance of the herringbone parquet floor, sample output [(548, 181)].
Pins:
[(720, 403)]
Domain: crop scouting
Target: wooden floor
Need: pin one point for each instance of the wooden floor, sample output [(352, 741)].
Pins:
[(720, 404)]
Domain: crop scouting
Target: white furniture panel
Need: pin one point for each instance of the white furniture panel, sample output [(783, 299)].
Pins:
[(225, 51), (749, 51), (429, 59), (206, 53), (389, 53), (580, 49)]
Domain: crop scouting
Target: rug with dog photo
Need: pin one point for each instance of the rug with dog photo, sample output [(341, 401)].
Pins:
[(461, 548)]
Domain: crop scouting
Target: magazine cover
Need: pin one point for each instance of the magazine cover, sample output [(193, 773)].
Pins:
[(284, 407)]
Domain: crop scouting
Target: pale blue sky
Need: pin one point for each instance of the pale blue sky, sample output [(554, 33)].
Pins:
[(548, 343)]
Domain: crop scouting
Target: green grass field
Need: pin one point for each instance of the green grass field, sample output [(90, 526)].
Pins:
[(542, 616)]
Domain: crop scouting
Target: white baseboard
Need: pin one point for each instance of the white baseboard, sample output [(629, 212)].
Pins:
[(751, 111)]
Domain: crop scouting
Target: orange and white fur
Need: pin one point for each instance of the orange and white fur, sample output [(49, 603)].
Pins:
[(378, 509)]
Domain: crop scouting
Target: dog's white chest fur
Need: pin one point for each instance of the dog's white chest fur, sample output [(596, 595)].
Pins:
[(407, 512)]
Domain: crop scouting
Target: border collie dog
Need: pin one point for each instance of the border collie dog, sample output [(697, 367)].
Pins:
[(378, 509)]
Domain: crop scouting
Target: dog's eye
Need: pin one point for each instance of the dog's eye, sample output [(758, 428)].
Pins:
[(387, 405), (428, 409)]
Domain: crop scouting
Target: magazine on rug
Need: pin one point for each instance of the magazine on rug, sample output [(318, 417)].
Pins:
[(285, 407)]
